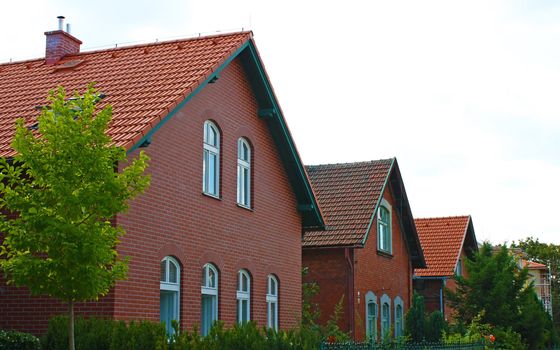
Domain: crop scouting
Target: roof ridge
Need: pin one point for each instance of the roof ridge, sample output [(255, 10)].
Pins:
[(444, 217), (350, 163), (135, 46)]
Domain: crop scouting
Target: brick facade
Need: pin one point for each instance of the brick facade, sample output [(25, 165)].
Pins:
[(353, 272), (174, 218)]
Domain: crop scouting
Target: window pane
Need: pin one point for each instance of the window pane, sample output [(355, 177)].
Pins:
[(204, 280), (205, 175), (172, 273), (212, 173), (244, 310), (245, 186), (211, 278), (207, 314), (168, 301), (163, 267)]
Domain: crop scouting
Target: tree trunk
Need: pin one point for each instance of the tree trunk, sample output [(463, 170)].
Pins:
[(71, 345)]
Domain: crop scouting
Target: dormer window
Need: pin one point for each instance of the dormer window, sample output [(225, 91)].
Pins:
[(211, 160)]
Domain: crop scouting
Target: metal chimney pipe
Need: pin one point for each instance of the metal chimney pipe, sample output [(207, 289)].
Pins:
[(68, 28), (60, 22)]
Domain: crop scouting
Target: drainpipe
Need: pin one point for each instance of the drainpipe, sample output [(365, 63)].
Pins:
[(441, 306), (348, 255)]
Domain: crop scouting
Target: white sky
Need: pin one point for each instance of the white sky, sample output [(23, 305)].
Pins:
[(464, 93)]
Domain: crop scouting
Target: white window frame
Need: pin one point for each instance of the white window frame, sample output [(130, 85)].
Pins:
[(371, 298), (174, 287), (211, 149), (243, 295), (243, 177), (207, 289), (399, 317), (385, 244), (385, 324), (272, 302)]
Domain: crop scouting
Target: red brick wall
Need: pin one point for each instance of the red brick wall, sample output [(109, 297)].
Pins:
[(430, 290), (329, 269), (175, 218), (381, 273)]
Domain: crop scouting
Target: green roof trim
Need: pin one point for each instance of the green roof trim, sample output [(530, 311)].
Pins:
[(270, 111)]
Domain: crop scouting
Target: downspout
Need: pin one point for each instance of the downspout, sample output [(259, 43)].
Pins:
[(348, 255), (441, 305)]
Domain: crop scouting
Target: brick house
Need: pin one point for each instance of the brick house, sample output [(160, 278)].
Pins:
[(218, 233), (446, 242), (368, 249)]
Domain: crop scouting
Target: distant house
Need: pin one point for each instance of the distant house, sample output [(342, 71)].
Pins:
[(218, 233), (539, 275), (367, 252), (446, 242)]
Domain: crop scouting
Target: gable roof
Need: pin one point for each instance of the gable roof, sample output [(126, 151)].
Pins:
[(349, 195), (443, 239), (533, 265), (147, 85)]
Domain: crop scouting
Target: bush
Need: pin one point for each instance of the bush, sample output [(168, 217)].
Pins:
[(104, 334), (12, 340)]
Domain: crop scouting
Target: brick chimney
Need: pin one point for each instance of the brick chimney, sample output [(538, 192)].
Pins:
[(60, 43)]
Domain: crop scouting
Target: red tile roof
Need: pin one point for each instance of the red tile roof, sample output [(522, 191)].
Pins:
[(531, 265), (442, 240), (143, 83), (348, 195)]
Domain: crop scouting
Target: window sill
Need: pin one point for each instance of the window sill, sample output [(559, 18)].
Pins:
[(384, 253), (244, 207), (211, 196)]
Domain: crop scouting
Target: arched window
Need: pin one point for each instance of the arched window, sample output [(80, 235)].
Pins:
[(384, 227), (272, 302), (385, 316), (169, 290), (399, 317), (371, 316), (209, 290), (243, 173), (211, 160), (243, 297)]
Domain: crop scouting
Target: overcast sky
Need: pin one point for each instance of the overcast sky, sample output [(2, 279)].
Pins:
[(465, 94)]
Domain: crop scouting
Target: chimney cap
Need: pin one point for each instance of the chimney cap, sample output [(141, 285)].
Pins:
[(61, 17)]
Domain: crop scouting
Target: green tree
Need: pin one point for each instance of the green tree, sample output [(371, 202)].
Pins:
[(64, 188), (415, 319), (500, 293)]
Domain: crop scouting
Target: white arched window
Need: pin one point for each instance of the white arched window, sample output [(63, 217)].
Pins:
[(209, 290), (385, 316), (371, 316), (169, 290), (272, 302), (211, 160), (399, 311), (243, 297), (243, 173), (384, 227)]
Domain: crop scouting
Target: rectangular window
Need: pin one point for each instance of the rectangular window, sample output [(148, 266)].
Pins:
[(208, 311)]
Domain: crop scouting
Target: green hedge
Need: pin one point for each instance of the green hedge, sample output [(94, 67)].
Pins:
[(11, 340), (103, 334)]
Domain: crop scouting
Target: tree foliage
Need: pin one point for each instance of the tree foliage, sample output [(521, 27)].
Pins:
[(415, 319), (499, 293), (63, 188)]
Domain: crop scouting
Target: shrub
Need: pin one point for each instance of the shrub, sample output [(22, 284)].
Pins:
[(12, 340), (103, 334)]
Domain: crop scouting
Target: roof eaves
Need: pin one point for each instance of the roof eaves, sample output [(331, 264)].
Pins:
[(285, 135), (372, 219)]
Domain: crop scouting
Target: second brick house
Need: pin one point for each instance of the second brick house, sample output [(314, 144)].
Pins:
[(368, 250)]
